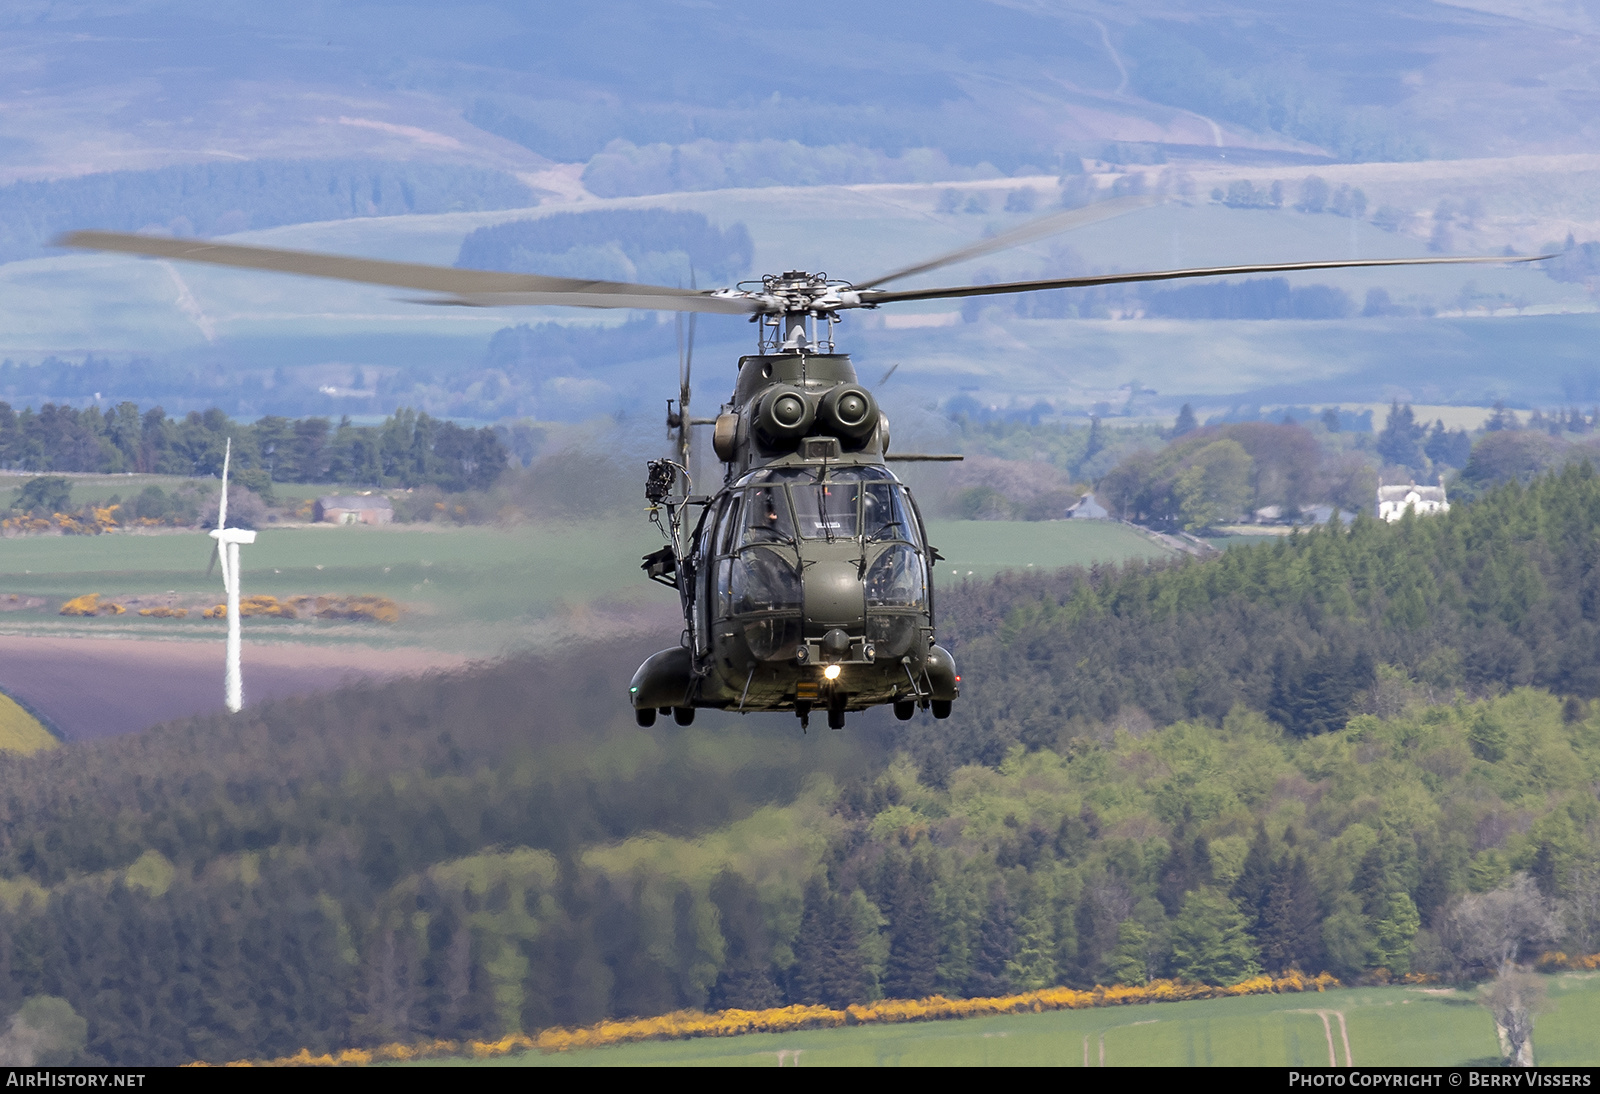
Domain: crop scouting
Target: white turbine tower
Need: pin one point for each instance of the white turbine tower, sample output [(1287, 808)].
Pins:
[(228, 540)]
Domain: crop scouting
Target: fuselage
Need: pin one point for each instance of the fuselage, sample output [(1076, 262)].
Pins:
[(806, 581)]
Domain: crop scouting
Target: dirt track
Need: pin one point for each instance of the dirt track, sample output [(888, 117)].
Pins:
[(101, 687)]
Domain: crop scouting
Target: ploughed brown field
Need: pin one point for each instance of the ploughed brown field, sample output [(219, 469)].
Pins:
[(100, 687)]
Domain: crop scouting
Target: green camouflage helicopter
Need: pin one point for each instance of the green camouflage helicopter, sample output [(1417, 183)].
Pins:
[(805, 579)]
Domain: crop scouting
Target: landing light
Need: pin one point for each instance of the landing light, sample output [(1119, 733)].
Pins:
[(831, 672)]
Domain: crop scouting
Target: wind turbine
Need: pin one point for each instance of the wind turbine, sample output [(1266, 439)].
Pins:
[(228, 540)]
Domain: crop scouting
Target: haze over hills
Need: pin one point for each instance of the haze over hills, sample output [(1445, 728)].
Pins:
[(851, 144), (103, 86)]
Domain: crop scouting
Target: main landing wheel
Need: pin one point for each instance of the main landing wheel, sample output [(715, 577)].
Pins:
[(941, 708), (645, 717), (684, 716), (905, 710), (836, 717)]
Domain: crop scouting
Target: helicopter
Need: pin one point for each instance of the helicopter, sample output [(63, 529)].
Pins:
[(805, 577)]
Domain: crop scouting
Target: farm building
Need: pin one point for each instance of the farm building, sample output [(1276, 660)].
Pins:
[(1393, 501), (353, 509)]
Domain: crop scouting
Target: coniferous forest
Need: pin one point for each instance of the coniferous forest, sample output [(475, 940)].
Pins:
[(1309, 754), (408, 449)]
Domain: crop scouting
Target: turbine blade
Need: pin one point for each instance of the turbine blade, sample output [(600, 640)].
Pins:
[(222, 502)]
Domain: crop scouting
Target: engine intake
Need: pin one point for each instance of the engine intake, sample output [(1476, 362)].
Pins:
[(784, 415), (850, 412)]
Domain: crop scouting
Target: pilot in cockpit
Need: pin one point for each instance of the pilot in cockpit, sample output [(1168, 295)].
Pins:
[(767, 516)]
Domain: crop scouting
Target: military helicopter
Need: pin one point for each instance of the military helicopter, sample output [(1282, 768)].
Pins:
[(805, 578)]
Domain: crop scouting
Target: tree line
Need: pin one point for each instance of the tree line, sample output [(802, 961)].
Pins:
[(409, 449), (655, 246), (1230, 469), (1214, 474), (221, 198)]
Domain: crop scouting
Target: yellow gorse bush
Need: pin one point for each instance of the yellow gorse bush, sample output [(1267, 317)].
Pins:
[(89, 604), (1555, 959), (90, 522), (684, 1024)]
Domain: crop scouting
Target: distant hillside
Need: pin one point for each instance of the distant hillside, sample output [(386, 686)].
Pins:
[(654, 246), (1000, 83), (222, 198)]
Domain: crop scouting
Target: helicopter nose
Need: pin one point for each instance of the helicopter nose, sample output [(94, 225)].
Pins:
[(833, 594)]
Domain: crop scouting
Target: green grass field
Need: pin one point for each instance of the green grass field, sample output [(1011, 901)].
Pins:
[(981, 548), (98, 488), (1384, 1026), (470, 588), (474, 589), (21, 731)]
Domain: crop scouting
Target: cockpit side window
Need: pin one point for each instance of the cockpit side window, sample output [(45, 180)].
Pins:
[(766, 517), (702, 580), (828, 510), (885, 514), (728, 525)]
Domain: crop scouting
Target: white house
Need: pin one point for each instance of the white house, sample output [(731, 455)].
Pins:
[(1393, 501)]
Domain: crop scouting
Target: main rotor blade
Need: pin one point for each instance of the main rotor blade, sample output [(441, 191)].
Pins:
[(686, 361), (477, 288), (1033, 230), (875, 296)]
